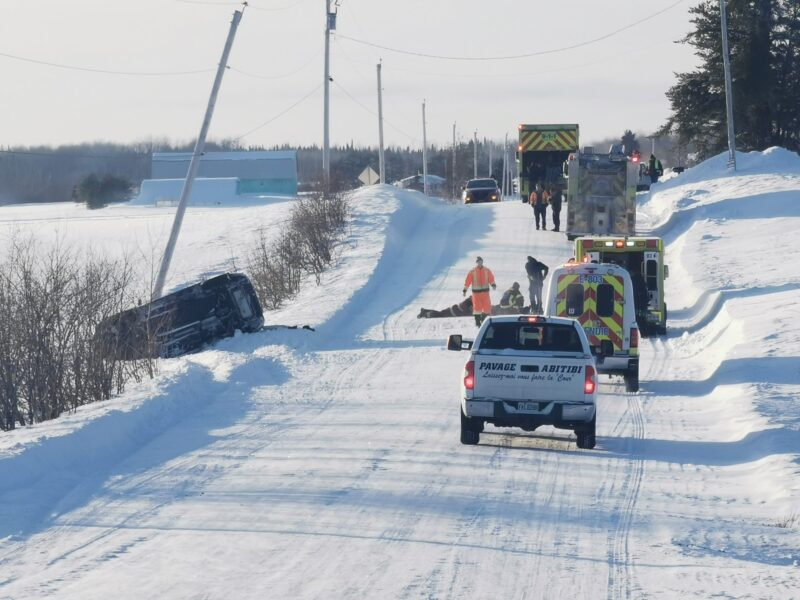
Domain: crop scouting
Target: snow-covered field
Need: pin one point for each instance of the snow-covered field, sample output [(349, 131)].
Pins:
[(326, 464)]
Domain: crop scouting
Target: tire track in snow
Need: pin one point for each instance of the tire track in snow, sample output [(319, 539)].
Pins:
[(621, 571), (620, 561), (620, 576)]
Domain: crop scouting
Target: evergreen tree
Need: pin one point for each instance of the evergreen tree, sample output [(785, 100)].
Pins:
[(630, 142), (97, 193)]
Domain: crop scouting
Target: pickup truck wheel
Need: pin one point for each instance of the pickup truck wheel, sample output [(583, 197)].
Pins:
[(586, 437), (632, 381), (470, 429)]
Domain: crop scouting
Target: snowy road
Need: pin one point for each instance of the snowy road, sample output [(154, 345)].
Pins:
[(299, 465)]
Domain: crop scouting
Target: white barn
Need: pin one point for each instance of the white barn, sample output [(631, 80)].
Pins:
[(221, 176)]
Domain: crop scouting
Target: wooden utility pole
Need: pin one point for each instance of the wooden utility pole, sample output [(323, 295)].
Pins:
[(424, 153), (381, 160)]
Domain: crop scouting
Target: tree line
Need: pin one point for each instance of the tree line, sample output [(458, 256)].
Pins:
[(98, 173)]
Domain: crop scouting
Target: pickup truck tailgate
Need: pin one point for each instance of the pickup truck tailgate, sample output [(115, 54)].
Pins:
[(539, 378)]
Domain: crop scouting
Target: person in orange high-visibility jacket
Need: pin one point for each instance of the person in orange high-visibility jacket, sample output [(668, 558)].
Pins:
[(480, 278)]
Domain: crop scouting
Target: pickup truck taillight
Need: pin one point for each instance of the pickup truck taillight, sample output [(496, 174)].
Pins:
[(634, 337), (469, 375), (589, 383)]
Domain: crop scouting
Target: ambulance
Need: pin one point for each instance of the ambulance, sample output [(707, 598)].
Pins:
[(600, 297), (642, 257)]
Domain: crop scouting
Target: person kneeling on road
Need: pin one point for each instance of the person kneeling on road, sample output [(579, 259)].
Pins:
[(511, 303)]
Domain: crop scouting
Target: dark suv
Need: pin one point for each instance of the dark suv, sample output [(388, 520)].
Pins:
[(480, 190), (184, 320)]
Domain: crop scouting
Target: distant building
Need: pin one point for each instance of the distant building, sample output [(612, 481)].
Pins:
[(221, 176)]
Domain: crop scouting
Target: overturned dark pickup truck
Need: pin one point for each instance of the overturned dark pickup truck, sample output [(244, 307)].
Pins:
[(184, 320)]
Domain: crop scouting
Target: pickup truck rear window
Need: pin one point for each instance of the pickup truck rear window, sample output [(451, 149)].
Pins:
[(551, 337)]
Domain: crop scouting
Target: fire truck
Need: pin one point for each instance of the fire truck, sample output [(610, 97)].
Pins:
[(541, 153), (601, 193), (643, 258)]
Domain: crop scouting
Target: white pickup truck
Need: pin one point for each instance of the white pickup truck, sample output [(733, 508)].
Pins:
[(526, 371)]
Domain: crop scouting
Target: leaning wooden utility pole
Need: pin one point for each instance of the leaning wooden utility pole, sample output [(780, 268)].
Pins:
[(195, 161)]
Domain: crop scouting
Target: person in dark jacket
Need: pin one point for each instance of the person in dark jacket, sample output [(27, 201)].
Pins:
[(463, 309), (511, 303), (537, 271), (556, 198)]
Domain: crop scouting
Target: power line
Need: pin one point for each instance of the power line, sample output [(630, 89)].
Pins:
[(103, 71), (285, 75), (248, 4), (364, 77), (515, 56), (280, 114), (470, 76)]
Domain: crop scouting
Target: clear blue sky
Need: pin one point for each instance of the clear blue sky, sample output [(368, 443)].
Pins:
[(606, 86)]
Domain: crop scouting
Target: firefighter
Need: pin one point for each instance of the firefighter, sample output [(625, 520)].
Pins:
[(480, 278), (538, 200), (512, 301), (537, 271)]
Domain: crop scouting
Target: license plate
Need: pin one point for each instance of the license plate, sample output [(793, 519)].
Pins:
[(528, 406)]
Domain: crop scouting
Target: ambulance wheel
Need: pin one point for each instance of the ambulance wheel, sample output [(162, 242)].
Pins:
[(586, 436), (662, 329), (632, 381), (470, 429)]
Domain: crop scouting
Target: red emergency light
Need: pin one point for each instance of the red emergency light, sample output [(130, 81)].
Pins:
[(619, 243)]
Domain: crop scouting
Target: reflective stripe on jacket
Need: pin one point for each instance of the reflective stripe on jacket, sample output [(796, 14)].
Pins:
[(480, 278)]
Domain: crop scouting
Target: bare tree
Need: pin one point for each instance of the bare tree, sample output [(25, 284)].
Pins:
[(51, 359)]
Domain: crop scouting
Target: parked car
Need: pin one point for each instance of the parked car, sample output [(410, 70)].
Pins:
[(480, 190), (183, 321)]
